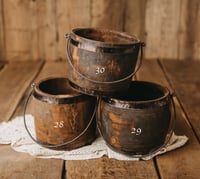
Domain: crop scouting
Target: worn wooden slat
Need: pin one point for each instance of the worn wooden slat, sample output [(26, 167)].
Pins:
[(103, 14), (189, 38), (53, 69), (2, 32), (178, 166), (17, 26), (134, 20), (43, 30), (30, 30), (183, 162), (35, 29), (70, 15), (15, 77), (178, 163), (162, 27), (186, 82), (186, 160), (110, 168), (23, 166)]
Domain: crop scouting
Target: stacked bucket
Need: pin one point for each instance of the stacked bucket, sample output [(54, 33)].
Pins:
[(133, 117)]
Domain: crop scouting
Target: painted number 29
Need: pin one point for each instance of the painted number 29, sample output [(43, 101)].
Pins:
[(59, 124), (136, 131), (100, 70)]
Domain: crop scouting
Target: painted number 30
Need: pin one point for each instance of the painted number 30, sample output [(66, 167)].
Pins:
[(100, 70), (136, 131)]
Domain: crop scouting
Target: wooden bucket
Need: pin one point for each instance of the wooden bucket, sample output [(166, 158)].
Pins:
[(101, 61), (138, 122), (64, 119)]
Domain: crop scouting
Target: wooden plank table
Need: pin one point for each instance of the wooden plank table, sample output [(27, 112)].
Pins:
[(182, 77)]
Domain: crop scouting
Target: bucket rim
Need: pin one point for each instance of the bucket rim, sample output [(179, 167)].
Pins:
[(55, 98), (131, 39), (115, 100)]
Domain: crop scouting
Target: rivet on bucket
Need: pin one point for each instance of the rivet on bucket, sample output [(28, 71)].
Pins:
[(64, 119), (138, 122)]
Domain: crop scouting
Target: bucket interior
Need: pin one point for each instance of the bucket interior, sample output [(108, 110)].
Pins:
[(143, 91), (106, 36), (56, 86)]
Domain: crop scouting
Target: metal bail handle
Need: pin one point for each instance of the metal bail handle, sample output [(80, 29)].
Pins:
[(53, 145), (69, 58), (168, 137)]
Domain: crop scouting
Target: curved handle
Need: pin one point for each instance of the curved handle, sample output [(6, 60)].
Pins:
[(53, 145), (69, 58)]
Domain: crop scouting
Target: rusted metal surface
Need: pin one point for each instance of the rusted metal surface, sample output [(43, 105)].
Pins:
[(137, 122), (63, 118), (101, 62)]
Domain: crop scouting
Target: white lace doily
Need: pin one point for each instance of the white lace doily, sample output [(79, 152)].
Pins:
[(14, 133)]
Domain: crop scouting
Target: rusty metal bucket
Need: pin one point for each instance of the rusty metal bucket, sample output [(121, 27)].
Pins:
[(101, 61), (138, 122), (64, 119)]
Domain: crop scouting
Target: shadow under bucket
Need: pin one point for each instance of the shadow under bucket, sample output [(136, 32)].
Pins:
[(138, 122), (101, 61), (64, 119)]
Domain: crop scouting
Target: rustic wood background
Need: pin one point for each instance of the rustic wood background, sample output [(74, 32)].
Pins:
[(34, 29)]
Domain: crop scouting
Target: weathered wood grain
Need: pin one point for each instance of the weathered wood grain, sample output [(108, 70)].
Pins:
[(134, 20), (43, 29), (19, 165), (189, 37), (186, 160), (35, 29), (110, 168), (162, 28), (15, 77), (17, 18), (183, 162), (186, 83), (2, 32), (53, 69), (30, 30), (149, 72), (107, 14), (174, 164)]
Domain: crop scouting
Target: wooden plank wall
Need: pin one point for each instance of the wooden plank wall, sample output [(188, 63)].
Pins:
[(2, 49), (34, 30)]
